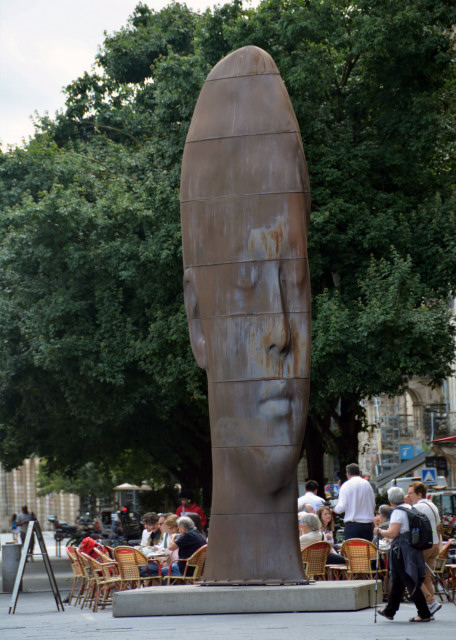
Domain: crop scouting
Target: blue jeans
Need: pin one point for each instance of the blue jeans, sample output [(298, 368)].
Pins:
[(150, 570)]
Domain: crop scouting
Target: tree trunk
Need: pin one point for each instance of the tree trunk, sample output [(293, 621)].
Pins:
[(314, 447), (350, 424)]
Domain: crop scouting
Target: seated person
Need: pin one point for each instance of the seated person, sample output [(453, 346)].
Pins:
[(327, 528), (187, 542), (164, 533), (188, 506), (151, 534), (327, 523), (309, 529), (382, 520), (196, 521), (162, 564)]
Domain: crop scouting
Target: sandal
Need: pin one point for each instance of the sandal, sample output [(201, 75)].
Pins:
[(418, 619), (381, 612)]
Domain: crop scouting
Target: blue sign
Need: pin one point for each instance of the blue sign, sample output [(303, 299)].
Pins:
[(332, 489), (406, 451), (429, 476)]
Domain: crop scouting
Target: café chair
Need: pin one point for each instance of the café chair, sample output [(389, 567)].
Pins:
[(196, 563), (128, 561), (103, 582), (360, 556), (78, 576), (314, 558), (439, 570)]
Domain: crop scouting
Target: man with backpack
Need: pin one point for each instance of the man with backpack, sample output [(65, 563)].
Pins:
[(406, 562), (417, 496)]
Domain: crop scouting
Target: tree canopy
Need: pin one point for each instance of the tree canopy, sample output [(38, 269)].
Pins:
[(95, 357)]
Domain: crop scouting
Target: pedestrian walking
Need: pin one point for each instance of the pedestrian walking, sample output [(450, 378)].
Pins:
[(405, 562)]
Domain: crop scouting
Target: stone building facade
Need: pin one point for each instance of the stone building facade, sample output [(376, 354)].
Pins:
[(18, 488)]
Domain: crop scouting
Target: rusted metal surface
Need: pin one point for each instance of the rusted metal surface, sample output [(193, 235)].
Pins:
[(245, 206)]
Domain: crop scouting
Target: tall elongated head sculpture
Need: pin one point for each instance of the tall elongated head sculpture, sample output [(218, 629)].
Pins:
[(245, 207)]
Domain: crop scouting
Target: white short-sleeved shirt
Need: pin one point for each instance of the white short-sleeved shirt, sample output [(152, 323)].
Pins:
[(399, 516), (432, 513)]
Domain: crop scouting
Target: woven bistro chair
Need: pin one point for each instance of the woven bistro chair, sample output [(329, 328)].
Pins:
[(439, 570), (128, 562), (194, 568), (104, 582), (78, 576), (89, 578), (360, 556), (314, 558)]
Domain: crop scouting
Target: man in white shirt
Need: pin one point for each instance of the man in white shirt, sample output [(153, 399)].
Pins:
[(357, 502), (417, 495), (310, 496)]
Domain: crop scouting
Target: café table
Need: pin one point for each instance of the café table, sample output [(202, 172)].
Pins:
[(336, 571)]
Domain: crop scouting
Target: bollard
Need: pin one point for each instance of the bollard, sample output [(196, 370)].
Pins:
[(11, 555)]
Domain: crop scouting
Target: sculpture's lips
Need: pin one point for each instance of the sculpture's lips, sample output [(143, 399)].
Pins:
[(275, 398)]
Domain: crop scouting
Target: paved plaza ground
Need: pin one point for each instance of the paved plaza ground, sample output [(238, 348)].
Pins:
[(37, 617)]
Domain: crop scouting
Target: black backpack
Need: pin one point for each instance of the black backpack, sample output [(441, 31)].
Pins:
[(420, 528)]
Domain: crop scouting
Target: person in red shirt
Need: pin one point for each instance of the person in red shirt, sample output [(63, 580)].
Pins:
[(188, 506)]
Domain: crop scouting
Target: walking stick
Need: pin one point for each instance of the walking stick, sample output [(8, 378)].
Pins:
[(376, 579), (441, 582)]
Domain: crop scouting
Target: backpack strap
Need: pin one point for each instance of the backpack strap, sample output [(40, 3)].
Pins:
[(434, 510)]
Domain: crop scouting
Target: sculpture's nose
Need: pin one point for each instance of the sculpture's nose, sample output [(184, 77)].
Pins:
[(279, 337)]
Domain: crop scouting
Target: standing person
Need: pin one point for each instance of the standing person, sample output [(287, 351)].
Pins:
[(406, 563), (310, 496), (357, 501), (417, 496), (22, 522), (189, 506), (14, 530)]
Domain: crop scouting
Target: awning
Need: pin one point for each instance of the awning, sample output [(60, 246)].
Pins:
[(448, 440)]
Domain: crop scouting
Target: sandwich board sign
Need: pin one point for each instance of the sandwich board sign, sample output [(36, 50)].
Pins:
[(429, 476), (34, 528)]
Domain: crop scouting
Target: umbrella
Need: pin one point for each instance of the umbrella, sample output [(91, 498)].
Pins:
[(127, 487)]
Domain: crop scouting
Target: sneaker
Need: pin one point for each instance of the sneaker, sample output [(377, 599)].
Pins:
[(434, 607)]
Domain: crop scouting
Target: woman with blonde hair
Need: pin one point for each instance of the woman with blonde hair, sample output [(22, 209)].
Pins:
[(327, 528), (327, 523)]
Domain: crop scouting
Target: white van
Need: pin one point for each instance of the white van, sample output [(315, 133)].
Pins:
[(404, 483)]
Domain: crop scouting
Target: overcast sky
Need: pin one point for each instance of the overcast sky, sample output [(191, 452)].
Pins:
[(45, 45)]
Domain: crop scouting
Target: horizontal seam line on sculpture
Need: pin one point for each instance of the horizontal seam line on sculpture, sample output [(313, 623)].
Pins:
[(244, 75), (245, 135), (246, 195), (257, 379), (262, 260), (252, 446), (253, 315)]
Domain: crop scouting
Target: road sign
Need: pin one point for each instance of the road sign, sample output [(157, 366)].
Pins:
[(428, 476), (406, 451)]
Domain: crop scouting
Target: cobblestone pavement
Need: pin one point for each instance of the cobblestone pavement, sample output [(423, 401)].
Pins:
[(37, 617)]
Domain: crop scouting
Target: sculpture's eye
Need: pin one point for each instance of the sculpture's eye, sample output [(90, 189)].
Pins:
[(247, 276)]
